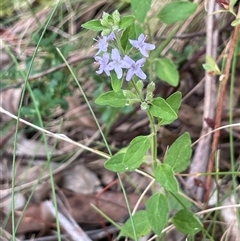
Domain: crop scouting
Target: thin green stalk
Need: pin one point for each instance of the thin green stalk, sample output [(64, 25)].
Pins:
[(34, 188), (231, 137), (106, 217), (217, 173), (206, 233), (18, 116), (156, 53), (86, 100), (100, 130), (54, 197), (14, 151), (47, 154), (128, 207), (15, 226), (154, 138)]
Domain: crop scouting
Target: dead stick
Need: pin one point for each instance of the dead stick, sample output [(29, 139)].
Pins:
[(219, 110)]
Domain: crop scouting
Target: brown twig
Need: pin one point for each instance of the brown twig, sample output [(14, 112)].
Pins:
[(201, 155), (219, 109)]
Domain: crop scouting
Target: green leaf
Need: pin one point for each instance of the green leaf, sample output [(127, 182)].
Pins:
[(165, 176), (211, 66), (175, 201), (174, 100), (141, 225), (161, 109), (235, 22), (115, 163), (140, 8), (186, 222), (166, 70), (94, 25), (179, 154), (115, 82), (114, 99), (128, 33), (136, 152), (62, 102), (177, 11), (157, 212), (126, 21), (231, 5)]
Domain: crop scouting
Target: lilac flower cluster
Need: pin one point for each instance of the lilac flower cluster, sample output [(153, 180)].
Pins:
[(116, 62)]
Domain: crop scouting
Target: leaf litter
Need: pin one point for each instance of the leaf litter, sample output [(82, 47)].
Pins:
[(78, 184)]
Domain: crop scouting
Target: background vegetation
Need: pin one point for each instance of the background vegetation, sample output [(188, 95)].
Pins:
[(51, 138)]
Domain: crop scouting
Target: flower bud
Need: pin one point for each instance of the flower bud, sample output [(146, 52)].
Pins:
[(144, 106), (116, 17), (149, 97), (151, 87), (105, 20), (139, 85), (106, 32)]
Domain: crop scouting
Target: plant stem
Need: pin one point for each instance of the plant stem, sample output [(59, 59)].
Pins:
[(152, 127), (154, 138)]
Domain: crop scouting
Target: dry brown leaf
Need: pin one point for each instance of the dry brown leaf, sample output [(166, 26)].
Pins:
[(166, 137), (80, 179), (190, 116), (19, 202), (110, 203), (34, 219), (32, 147), (77, 115), (9, 100), (37, 217), (26, 174)]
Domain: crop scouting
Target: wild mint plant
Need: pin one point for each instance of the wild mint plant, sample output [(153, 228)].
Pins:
[(124, 55)]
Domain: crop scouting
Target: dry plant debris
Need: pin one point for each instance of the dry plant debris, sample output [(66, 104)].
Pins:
[(78, 176)]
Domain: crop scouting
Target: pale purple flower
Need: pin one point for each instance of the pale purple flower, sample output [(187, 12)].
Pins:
[(102, 44), (141, 45), (134, 68), (111, 36), (117, 63), (103, 61)]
